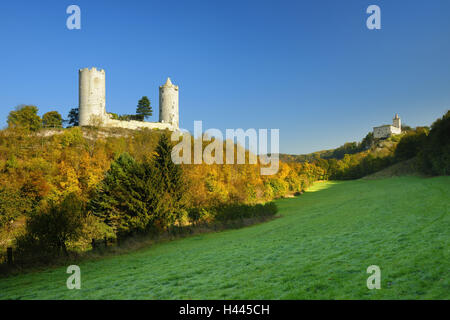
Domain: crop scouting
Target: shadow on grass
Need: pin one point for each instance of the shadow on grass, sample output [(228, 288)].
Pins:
[(111, 247)]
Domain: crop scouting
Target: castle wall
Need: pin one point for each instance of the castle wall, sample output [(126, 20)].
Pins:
[(395, 130), (385, 131), (132, 124), (381, 132)]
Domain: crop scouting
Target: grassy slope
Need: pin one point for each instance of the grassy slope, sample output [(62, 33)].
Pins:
[(319, 248), (400, 169)]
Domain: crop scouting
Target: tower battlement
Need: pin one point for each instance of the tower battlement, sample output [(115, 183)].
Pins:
[(92, 69)]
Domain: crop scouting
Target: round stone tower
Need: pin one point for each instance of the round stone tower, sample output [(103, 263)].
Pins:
[(91, 96), (168, 103)]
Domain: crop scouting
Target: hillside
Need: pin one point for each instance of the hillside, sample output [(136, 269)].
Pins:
[(319, 248), (368, 144), (48, 166), (404, 168)]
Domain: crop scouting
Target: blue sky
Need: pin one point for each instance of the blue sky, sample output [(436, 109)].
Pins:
[(309, 68)]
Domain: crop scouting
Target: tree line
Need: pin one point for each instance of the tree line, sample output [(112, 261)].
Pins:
[(26, 116), (59, 192), (429, 146)]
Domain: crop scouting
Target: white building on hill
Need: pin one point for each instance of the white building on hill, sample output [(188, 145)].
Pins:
[(388, 130)]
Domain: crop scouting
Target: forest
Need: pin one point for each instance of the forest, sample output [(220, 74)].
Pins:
[(60, 188)]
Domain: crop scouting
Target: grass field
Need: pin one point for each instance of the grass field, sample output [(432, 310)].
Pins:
[(319, 248)]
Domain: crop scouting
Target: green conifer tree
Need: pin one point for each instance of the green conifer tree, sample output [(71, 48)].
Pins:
[(172, 185), (143, 110), (124, 198)]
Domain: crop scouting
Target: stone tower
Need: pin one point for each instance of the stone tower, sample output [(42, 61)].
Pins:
[(396, 122), (91, 96), (168, 103)]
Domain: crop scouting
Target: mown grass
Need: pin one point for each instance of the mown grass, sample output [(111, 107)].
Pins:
[(319, 249)]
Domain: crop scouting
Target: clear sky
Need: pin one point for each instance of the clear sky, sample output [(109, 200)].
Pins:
[(309, 68)]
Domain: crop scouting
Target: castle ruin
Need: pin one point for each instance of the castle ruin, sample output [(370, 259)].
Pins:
[(92, 104)]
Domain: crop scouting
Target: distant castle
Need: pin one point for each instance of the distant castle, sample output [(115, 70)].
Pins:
[(92, 104), (388, 130)]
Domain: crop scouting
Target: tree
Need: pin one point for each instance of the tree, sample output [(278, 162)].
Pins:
[(141, 196), (435, 154), (411, 144), (52, 119), (368, 141), (53, 226), (144, 110), (126, 197), (25, 117), (172, 185), (12, 205), (73, 117), (405, 128)]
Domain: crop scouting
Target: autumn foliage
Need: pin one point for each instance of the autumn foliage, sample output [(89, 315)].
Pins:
[(126, 183)]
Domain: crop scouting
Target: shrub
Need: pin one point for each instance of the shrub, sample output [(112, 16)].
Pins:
[(196, 215), (244, 211)]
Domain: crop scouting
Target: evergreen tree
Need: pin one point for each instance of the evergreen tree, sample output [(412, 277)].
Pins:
[(172, 185), (126, 197), (147, 196), (143, 110), (73, 117)]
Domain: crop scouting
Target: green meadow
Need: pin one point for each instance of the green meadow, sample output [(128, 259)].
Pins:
[(319, 248)]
